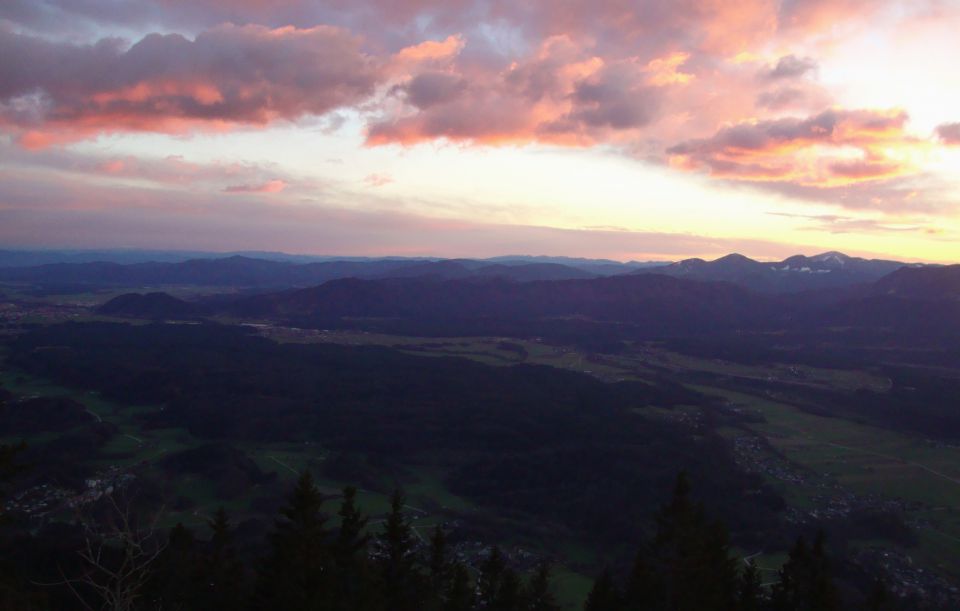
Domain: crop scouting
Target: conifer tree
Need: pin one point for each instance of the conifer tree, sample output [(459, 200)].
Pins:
[(539, 596), (351, 540), (644, 588), (8, 468), (692, 555), (805, 582), (438, 563), (15, 595), (173, 578), (353, 583), (824, 594), (296, 575), (221, 575), (750, 594), (604, 595), (460, 594), (510, 594), (399, 578), (880, 599), (491, 577)]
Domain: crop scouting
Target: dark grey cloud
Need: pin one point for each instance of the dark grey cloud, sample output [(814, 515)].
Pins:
[(247, 74), (762, 135), (617, 97), (431, 88), (779, 99), (790, 67)]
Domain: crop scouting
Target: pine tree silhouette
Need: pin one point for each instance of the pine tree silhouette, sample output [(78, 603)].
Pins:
[(221, 579), (750, 593), (297, 572), (539, 595), (400, 581), (351, 539), (805, 581), (490, 581), (460, 595), (692, 556), (604, 595), (353, 585), (510, 595)]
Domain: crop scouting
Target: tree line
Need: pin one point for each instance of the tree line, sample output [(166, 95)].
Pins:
[(688, 566), (310, 562)]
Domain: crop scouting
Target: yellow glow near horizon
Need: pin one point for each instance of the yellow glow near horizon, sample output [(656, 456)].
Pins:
[(557, 187)]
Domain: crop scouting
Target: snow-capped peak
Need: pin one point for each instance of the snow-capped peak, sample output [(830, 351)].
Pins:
[(833, 256)]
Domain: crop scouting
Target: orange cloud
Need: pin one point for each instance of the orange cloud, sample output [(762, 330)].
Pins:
[(431, 50), (378, 180), (833, 148), (665, 70)]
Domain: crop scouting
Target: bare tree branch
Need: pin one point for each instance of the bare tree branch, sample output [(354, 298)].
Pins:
[(118, 556)]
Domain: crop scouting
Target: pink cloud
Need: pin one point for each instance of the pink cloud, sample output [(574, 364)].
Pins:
[(271, 186), (780, 98), (810, 151), (52, 92), (169, 171), (949, 133), (431, 50), (378, 180)]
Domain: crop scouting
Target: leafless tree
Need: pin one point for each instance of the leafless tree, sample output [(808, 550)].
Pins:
[(118, 554)]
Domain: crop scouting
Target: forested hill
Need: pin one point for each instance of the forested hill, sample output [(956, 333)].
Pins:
[(915, 304)]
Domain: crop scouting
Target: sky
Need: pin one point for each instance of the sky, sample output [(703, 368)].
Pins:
[(623, 129)]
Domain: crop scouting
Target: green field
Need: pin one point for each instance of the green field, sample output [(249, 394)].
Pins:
[(845, 456)]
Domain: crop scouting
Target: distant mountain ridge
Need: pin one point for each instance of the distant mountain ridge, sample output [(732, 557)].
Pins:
[(128, 256), (241, 271), (794, 274)]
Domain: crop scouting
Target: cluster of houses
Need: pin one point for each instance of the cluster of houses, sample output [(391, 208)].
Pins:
[(39, 501)]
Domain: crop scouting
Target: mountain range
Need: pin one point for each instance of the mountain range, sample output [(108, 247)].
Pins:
[(794, 274), (247, 272)]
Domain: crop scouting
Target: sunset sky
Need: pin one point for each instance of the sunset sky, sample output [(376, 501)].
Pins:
[(627, 129)]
